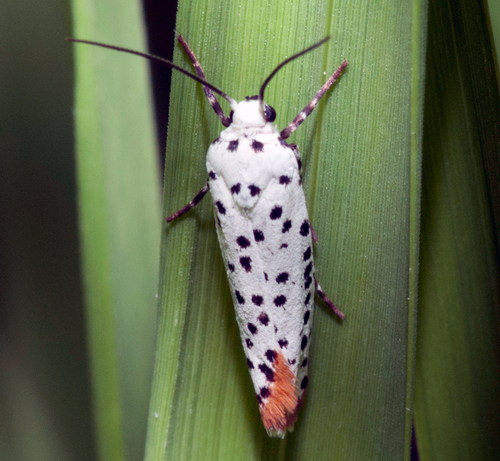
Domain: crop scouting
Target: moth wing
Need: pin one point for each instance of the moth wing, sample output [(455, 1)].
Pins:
[(265, 238)]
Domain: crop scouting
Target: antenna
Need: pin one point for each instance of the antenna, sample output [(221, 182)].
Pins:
[(154, 58), (284, 63)]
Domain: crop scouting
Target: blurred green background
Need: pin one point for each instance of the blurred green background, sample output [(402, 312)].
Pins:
[(45, 405)]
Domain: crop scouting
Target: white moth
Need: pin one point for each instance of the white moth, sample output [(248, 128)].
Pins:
[(266, 241)]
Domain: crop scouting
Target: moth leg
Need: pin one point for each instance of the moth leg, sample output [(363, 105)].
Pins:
[(191, 204), (309, 108), (226, 121), (313, 234), (327, 300)]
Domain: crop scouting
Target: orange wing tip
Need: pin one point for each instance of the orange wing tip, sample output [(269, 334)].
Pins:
[(279, 410)]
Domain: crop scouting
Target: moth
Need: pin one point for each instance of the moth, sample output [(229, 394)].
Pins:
[(265, 237)]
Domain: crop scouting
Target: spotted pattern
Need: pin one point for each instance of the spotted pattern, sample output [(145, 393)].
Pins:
[(263, 319), (246, 263), (283, 343), (285, 180), (276, 213), (259, 306), (254, 190), (304, 228), (220, 207), (258, 235), (257, 300), (264, 393), (287, 225), (257, 146), (243, 242), (268, 373), (233, 145), (282, 278), (271, 355), (239, 298), (280, 300)]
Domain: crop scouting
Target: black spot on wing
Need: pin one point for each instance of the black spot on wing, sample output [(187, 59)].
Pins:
[(268, 373), (252, 328), (220, 207), (271, 355), (307, 254), (306, 317), (212, 175), (236, 188), (280, 300), (258, 235), (303, 364), (282, 278), (285, 180), (287, 225), (276, 213), (308, 298), (304, 382), (257, 146), (250, 364), (283, 343), (303, 343), (304, 228), (265, 393), (239, 298), (233, 145), (246, 263), (263, 319), (249, 343), (230, 266), (308, 283), (243, 242), (257, 300), (307, 271), (254, 190)]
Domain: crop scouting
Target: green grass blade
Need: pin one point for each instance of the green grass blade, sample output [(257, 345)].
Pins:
[(457, 394), (119, 220), (358, 176)]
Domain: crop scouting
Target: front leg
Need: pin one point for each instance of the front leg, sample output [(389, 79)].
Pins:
[(310, 107), (327, 300), (191, 204), (226, 121)]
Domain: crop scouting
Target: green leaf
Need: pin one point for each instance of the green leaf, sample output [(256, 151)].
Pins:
[(361, 176), (119, 220), (457, 390)]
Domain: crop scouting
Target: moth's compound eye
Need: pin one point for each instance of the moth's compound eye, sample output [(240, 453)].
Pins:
[(269, 113), (231, 117)]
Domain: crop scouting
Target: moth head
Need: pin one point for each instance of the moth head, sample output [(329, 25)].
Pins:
[(251, 113)]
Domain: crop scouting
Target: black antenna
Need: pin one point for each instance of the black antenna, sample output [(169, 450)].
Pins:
[(154, 58), (284, 63)]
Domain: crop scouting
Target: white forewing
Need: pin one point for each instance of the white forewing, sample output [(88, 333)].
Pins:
[(265, 238)]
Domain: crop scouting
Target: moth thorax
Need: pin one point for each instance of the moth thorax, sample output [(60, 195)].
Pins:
[(248, 114)]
